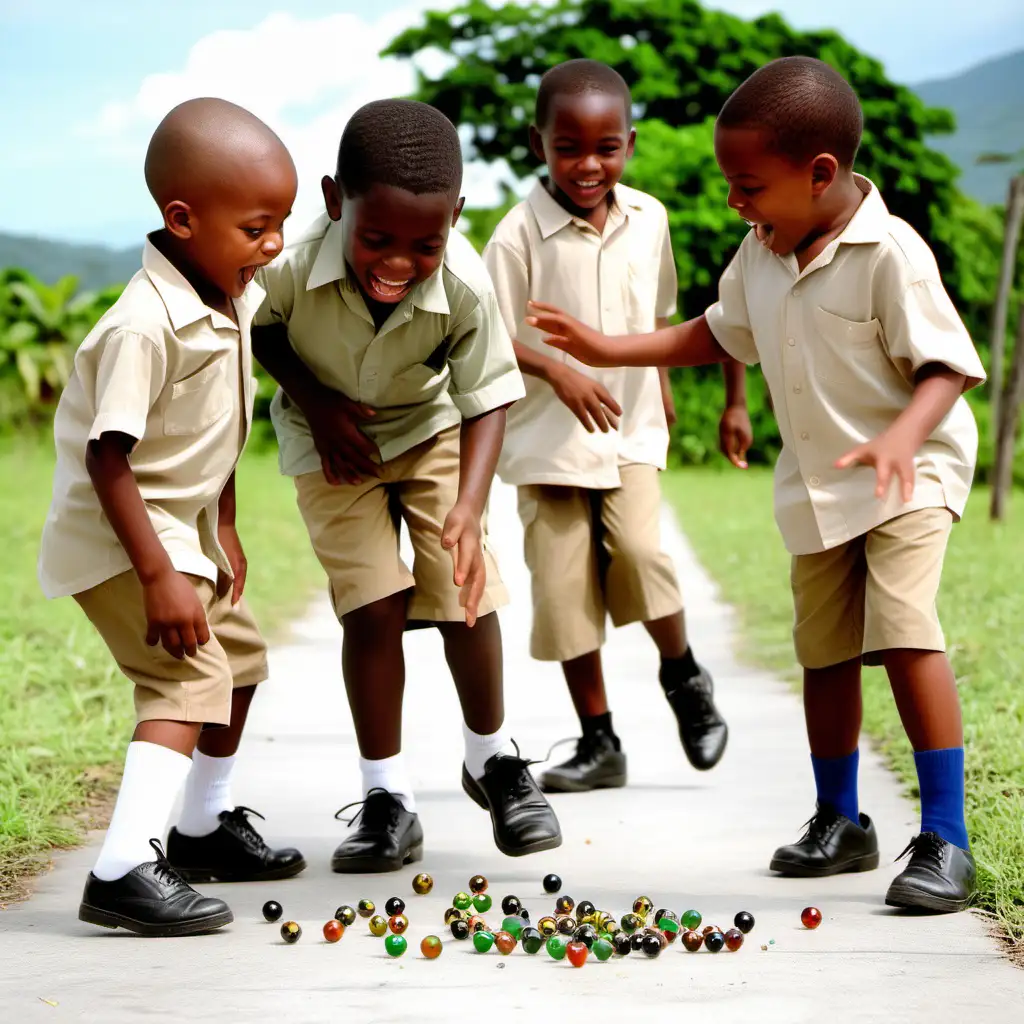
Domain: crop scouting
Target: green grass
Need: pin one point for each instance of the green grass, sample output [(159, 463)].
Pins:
[(65, 711), (728, 518)]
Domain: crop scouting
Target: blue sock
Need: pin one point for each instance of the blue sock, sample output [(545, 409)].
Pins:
[(940, 778), (836, 781)]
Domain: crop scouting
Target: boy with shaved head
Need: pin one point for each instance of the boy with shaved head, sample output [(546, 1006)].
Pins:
[(141, 530)]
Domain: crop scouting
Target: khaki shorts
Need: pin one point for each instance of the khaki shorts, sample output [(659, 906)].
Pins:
[(873, 594), (354, 532), (591, 554), (191, 690)]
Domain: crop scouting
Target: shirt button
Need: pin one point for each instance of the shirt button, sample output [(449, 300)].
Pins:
[(814, 481), (796, 293), (805, 436), (797, 389), (791, 342)]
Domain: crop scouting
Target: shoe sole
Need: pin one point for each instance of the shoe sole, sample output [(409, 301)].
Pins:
[(375, 865), (108, 919), (537, 846), (868, 862), (566, 786), (203, 875), (908, 898)]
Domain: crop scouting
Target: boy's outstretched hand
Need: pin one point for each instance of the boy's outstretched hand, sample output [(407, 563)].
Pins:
[(563, 331), (461, 536), (589, 401), (735, 435), (892, 454)]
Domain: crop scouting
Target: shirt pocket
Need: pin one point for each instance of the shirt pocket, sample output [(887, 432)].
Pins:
[(846, 350), (199, 401), (641, 293)]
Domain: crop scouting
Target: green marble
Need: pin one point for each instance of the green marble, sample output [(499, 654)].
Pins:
[(483, 941), (556, 947), (692, 919), (602, 949), (396, 945), (482, 902)]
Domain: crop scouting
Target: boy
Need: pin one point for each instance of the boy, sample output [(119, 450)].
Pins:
[(584, 447), (141, 530), (866, 361), (395, 372)]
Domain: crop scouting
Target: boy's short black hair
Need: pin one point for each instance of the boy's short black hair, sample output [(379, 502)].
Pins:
[(807, 106), (403, 143), (575, 78)]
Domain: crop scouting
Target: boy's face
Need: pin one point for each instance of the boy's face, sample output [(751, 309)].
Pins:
[(393, 239), (236, 229), (585, 145), (775, 194)]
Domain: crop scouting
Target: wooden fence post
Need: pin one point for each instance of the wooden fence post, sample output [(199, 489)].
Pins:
[(1009, 417), (1014, 219)]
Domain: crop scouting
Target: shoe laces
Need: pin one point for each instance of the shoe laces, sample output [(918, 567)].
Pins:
[(927, 846), (238, 817), (164, 870), (514, 781), (693, 697), (385, 817), (586, 748), (820, 825)]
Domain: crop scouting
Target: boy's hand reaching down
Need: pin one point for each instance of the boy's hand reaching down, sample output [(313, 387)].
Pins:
[(563, 331), (462, 535), (175, 616), (586, 399), (735, 435), (892, 454)]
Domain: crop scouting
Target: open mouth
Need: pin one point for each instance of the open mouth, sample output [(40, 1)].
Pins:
[(248, 273), (588, 185), (387, 288)]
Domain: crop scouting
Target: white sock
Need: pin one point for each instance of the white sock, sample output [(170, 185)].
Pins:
[(153, 777), (479, 749), (207, 793), (388, 773)]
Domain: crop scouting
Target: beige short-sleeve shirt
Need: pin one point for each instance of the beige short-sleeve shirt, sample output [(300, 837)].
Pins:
[(442, 355), (840, 344), (164, 368), (619, 282)]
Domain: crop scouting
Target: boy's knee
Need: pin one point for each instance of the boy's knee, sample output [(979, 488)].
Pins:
[(388, 613)]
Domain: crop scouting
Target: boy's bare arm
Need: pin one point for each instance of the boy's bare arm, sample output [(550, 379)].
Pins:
[(227, 534), (174, 613)]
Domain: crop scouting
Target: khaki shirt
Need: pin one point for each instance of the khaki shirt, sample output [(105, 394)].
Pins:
[(839, 345), (442, 355), (619, 282), (164, 368)]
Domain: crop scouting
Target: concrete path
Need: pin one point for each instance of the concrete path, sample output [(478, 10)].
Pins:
[(683, 838)]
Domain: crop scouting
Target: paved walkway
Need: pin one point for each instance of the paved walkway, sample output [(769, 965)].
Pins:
[(683, 838)]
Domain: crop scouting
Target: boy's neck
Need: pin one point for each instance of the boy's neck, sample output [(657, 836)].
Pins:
[(177, 255), (838, 207), (597, 216)]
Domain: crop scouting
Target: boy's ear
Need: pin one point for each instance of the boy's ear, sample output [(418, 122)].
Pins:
[(630, 145), (537, 144), (457, 212), (332, 196), (179, 220), (824, 169)]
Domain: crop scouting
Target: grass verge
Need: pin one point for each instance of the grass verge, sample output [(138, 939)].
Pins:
[(65, 711), (982, 607)]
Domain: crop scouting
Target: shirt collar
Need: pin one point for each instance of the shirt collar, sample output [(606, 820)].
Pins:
[(870, 223), (552, 216), (182, 302)]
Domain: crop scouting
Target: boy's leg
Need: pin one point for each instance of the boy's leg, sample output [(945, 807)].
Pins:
[(641, 586), (828, 597), (354, 536), (130, 885), (902, 631), (493, 773), (214, 838), (568, 626)]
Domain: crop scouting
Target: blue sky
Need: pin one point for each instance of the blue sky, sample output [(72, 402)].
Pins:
[(84, 83)]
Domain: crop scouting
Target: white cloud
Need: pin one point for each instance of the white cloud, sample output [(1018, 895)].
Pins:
[(305, 78)]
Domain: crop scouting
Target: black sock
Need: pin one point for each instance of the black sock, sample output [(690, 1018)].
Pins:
[(594, 724), (675, 670)]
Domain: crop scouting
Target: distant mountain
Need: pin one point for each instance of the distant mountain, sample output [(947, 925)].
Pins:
[(988, 101), (95, 266)]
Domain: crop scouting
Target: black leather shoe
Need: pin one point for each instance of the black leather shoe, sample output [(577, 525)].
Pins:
[(702, 729), (522, 819), (832, 845), (597, 764), (388, 837), (152, 899), (233, 852), (940, 876)]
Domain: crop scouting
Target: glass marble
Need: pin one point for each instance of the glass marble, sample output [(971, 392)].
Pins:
[(431, 947), (547, 926), (398, 923), (564, 905), (482, 902), (692, 940), (346, 915), (291, 932), (651, 945), (587, 934), (395, 905), (477, 884), (810, 917), (606, 922), (459, 929), (733, 939), (531, 940), (395, 945), (511, 905), (670, 937), (378, 925), (630, 923), (566, 924), (272, 911), (482, 941), (691, 919), (714, 941), (333, 930), (602, 949), (462, 901), (552, 883), (477, 923), (584, 909), (454, 914), (505, 942), (636, 941), (514, 925), (709, 928), (620, 940), (366, 909), (422, 884), (642, 905), (744, 921), (556, 947), (576, 953), (667, 924)]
